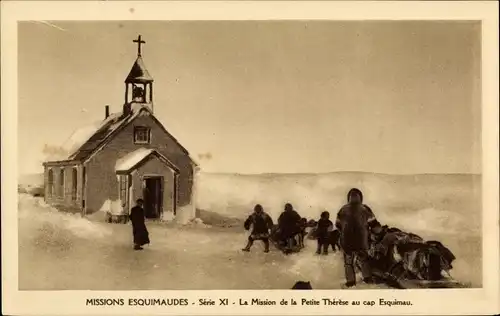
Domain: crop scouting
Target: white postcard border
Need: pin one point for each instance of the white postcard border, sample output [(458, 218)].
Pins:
[(449, 301)]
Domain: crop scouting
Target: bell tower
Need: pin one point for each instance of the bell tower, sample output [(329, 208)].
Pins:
[(139, 83)]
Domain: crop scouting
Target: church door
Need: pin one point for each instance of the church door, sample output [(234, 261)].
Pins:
[(153, 196)]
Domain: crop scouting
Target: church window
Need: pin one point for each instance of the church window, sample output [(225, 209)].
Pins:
[(84, 177), (50, 182), (61, 182), (123, 189), (74, 183), (142, 135)]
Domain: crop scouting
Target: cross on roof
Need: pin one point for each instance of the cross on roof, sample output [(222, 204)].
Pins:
[(139, 41)]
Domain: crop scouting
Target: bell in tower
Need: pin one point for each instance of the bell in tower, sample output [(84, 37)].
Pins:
[(139, 83), (138, 94)]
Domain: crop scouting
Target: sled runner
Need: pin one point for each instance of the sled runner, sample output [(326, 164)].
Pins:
[(424, 284), (405, 283), (282, 245)]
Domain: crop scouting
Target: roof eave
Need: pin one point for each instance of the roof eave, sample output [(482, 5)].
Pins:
[(122, 172), (139, 80), (60, 162), (184, 150), (158, 155), (166, 161)]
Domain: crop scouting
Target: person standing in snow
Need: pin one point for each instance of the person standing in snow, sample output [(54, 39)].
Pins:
[(354, 221), (137, 217), (323, 231), (261, 223)]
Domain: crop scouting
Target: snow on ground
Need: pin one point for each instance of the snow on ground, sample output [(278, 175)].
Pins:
[(61, 251)]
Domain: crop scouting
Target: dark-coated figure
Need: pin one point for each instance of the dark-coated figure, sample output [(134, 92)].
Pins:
[(137, 217), (289, 224), (323, 230), (353, 221), (261, 224)]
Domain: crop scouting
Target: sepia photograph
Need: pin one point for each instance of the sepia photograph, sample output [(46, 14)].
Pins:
[(167, 162), (249, 155)]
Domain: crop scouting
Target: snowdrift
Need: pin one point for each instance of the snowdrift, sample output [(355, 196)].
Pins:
[(420, 202)]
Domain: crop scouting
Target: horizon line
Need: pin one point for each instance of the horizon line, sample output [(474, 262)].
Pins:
[(347, 171), (318, 173)]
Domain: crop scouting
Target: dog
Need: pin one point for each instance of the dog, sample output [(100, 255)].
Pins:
[(302, 285), (302, 234), (304, 225), (333, 238)]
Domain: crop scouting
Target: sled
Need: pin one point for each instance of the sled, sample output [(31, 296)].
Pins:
[(424, 284), (286, 250), (407, 281), (392, 282)]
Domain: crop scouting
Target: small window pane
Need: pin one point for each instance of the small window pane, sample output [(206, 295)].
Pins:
[(141, 135)]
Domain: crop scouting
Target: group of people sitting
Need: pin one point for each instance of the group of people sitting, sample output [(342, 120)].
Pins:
[(381, 253)]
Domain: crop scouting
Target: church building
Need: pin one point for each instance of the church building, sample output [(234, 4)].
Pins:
[(128, 155)]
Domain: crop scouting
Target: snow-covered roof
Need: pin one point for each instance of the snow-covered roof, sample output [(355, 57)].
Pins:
[(77, 139), (108, 126), (132, 159), (86, 140)]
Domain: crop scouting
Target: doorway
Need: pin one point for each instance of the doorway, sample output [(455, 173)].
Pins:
[(153, 196)]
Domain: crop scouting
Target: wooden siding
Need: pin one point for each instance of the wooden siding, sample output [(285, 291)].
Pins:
[(154, 167), (102, 183), (62, 193)]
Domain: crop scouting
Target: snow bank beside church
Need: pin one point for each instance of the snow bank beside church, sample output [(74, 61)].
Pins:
[(34, 211)]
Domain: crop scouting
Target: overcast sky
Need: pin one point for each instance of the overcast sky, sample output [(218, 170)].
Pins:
[(390, 97)]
